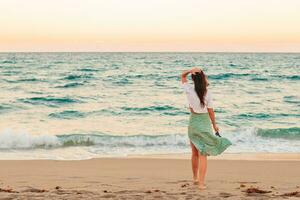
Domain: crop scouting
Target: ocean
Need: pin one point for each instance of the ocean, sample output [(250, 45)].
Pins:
[(86, 105)]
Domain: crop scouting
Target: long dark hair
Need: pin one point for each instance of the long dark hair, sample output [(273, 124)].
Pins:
[(201, 83)]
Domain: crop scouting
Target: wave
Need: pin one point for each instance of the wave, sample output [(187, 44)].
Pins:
[(259, 79), (293, 77), (10, 72), (125, 111), (150, 108), (22, 140), (119, 81), (253, 77), (285, 133), (67, 114), (138, 76), (123, 141), (164, 110), (77, 77), (289, 77), (29, 80), (49, 101), (292, 99), (264, 115), (122, 82), (58, 62), (88, 70), (5, 108), (70, 85), (227, 76), (8, 62)]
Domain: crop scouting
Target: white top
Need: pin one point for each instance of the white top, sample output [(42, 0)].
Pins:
[(194, 101)]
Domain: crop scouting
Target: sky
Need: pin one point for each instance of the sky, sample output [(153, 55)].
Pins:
[(150, 25)]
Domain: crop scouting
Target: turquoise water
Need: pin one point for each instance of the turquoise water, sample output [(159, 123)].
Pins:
[(85, 105)]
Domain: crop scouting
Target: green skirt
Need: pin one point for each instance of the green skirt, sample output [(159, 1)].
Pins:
[(201, 135)]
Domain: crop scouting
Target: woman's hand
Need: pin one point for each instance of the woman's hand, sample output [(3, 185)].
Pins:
[(216, 128), (195, 70), (186, 72)]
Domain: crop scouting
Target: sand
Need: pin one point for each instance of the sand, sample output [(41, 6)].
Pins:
[(147, 178)]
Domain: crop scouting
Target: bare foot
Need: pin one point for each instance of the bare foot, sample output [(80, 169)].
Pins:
[(196, 182), (202, 187)]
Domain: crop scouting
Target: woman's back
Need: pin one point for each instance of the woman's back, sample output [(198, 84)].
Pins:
[(194, 101)]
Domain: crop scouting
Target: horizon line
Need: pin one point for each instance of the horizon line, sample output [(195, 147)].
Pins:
[(283, 52)]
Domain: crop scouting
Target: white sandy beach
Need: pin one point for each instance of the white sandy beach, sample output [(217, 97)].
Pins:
[(151, 177)]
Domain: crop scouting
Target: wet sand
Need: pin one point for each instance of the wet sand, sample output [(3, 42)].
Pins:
[(147, 178)]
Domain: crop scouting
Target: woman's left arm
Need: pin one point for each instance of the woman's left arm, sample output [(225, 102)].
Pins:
[(213, 118)]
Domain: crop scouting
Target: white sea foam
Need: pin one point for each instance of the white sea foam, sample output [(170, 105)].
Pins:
[(23, 145), (10, 139)]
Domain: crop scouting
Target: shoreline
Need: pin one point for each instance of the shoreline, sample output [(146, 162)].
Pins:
[(229, 156), (186, 156)]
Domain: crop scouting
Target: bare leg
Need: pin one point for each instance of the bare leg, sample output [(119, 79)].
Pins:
[(195, 162), (202, 170)]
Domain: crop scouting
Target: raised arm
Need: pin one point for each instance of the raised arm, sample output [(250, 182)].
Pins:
[(187, 72), (184, 75), (213, 119)]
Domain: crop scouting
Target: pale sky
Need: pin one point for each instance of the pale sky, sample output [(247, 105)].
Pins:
[(150, 25)]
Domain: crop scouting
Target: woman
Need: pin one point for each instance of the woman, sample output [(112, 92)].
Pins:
[(203, 141)]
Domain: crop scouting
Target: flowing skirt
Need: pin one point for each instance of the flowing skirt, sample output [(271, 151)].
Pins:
[(201, 135)]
